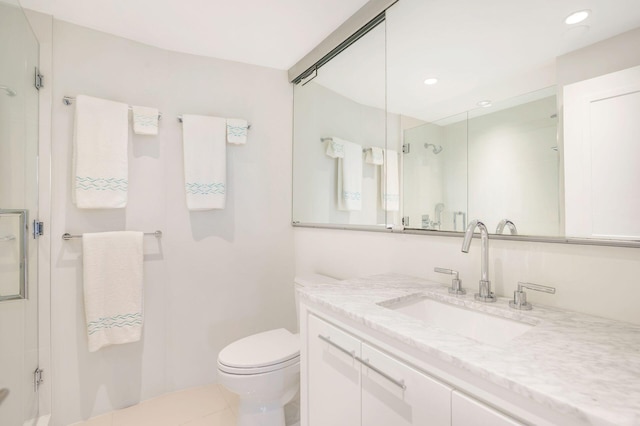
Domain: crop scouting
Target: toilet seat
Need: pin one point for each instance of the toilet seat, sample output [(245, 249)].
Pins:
[(261, 353)]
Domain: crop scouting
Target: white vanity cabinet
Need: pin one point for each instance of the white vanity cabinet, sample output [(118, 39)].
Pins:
[(466, 411), (351, 383), (395, 394), (333, 375)]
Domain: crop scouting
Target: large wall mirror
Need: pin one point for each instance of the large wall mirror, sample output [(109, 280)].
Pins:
[(490, 108)]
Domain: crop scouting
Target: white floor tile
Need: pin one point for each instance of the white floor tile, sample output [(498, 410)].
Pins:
[(103, 420), (225, 417), (211, 405)]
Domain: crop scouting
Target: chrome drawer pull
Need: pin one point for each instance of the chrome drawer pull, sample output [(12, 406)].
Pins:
[(399, 383), (327, 339)]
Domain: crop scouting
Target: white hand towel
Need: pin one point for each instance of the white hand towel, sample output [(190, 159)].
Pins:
[(334, 147), (237, 130), (374, 156), (350, 178), (145, 120), (100, 156), (205, 162), (390, 185), (112, 275)]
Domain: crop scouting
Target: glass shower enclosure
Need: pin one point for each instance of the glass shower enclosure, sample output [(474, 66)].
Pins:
[(19, 52)]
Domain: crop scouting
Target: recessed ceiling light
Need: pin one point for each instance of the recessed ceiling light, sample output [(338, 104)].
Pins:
[(431, 80), (484, 104), (577, 17)]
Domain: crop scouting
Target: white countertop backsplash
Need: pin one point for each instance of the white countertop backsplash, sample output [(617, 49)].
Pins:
[(584, 366)]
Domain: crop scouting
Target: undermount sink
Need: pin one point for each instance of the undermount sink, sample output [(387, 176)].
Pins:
[(475, 325)]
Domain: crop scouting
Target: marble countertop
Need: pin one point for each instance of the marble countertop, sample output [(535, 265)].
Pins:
[(584, 366)]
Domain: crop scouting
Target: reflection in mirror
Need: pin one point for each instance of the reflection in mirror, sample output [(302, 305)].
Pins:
[(494, 69), (434, 166), (474, 107), (340, 128), (513, 164)]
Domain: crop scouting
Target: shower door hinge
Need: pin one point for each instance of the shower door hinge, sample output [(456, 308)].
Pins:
[(406, 148), (38, 80), (38, 379), (38, 229)]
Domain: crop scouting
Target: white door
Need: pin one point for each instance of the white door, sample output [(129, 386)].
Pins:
[(333, 375), (396, 394), (466, 411)]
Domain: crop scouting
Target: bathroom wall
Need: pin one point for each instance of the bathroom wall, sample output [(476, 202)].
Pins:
[(215, 276)]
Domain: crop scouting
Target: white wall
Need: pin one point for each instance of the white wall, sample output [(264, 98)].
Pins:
[(601, 281), (215, 276)]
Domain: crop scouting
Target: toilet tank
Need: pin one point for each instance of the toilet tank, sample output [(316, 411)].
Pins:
[(305, 280)]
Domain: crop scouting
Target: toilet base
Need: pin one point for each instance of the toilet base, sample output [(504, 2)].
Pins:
[(252, 413)]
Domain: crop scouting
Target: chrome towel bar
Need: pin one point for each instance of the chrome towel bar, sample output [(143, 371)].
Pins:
[(69, 100), (248, 125), (67, 236)]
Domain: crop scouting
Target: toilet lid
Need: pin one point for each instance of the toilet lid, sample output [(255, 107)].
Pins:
[(261, 350)]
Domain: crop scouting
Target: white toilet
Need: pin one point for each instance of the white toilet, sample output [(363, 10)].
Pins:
[(264, 370)]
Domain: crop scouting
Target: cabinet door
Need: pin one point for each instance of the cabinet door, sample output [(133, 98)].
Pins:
[(333, 375), (466, 411), (396, 394)]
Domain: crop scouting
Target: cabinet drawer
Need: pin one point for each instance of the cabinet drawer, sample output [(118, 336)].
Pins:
[(395, 394), (333, 375)]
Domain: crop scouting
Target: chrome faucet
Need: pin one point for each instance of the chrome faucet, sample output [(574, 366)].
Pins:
[(508, 224), (485, 294)]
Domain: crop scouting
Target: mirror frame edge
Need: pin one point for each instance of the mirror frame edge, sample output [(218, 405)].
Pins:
[(432, 233)]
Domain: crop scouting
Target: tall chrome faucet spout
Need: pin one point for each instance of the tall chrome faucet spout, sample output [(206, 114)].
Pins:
[(484, 294)]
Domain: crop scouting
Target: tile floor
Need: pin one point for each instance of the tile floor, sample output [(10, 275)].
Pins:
[(210, 405)]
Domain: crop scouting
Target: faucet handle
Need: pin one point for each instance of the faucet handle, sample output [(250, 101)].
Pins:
[(456, 283), (520, 296)]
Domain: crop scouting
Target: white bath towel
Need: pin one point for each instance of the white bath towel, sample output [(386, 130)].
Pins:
[(112, 275), (334, 147), (237, 130), (205, 162), (374, 156), (390, 185), (350, 178), (145, 120), (100, 157)]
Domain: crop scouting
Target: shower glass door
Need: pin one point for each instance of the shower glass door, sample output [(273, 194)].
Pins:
[(19, 51)]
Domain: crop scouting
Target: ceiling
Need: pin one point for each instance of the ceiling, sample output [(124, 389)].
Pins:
[(490, 49), (273, 33)]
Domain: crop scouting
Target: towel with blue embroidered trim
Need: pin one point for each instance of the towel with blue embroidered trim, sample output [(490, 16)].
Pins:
[(100, 154), (145, 120), (205, 161), (350, 178), (112, 280), (237, 131)]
